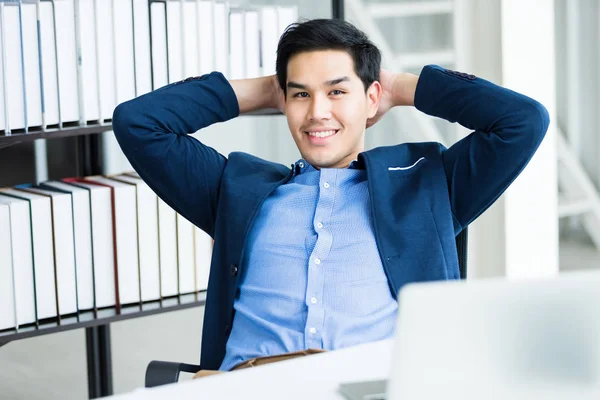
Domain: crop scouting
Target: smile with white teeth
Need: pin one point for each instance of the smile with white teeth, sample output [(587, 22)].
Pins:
[(322, 134)]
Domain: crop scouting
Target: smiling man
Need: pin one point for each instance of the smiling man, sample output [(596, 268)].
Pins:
[(333, 134), (311, 258)]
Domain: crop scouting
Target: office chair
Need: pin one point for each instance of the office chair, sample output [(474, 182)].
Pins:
[(462, 240), (164, 372)]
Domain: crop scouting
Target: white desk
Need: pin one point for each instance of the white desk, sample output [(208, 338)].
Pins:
[(318, 376), (313, 377)]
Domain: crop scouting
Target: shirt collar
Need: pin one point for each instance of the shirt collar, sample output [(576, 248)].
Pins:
[(301, 166)]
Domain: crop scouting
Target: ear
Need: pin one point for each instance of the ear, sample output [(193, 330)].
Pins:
[(374, 93)]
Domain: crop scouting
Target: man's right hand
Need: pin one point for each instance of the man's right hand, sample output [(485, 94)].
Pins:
[(279, 96), (258, 94)]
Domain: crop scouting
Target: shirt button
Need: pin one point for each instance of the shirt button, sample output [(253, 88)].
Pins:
[(319, 225), (317, 261), (313, 300), (301, 164), (326, 185), (312, 331)]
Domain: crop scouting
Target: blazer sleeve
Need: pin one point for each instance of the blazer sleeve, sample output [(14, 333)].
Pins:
[(153, 129), (508, 127)]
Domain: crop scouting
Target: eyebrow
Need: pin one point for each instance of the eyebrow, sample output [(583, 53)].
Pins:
[(332, 82)]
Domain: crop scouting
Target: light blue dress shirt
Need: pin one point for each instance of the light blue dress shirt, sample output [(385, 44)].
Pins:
[(312, 275)]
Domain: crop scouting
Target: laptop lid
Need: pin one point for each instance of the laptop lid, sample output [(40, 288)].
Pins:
[(536, 334)]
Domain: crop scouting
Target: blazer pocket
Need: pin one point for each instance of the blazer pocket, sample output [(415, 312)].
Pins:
[(400, 171)]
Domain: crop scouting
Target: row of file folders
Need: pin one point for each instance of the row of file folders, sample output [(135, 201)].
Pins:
[(73, 61), (90, 243)]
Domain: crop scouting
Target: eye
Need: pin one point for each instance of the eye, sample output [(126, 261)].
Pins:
[(301, 94), (337, 92)]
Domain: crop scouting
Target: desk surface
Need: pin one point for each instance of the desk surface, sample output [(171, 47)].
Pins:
[(318, 377), (314, 377)]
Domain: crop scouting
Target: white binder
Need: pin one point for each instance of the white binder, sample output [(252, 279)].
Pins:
[(15, 81), (31, 64), (87, 68), (158, 32), (269, 39), (221, 30), (22, 259), (174, 41), (49, 63), (64, 248), (123, 51), (66, 47), (206, 39), (82, 232), (190, 35), (43, 251), (8, 305), (105, 61), (252, 43), (3, 90), (102, 243), (147, 234), (141, 32), (237, 59), (126, 241)]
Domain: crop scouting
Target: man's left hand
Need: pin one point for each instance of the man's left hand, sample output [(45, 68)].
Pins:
[(397, 90)]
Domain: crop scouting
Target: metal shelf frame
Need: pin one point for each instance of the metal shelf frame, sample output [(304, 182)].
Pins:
[(94, 318), (97, 329), (52, 133)]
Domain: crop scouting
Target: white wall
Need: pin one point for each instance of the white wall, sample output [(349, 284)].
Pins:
[(518, 237), (482, 42), (531, 203)]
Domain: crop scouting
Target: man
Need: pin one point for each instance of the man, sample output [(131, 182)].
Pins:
[(312, 257)]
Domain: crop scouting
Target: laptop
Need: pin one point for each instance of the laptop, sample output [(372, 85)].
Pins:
[(536, 338)]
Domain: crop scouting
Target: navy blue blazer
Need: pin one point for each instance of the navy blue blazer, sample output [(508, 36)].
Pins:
[(417, 211)]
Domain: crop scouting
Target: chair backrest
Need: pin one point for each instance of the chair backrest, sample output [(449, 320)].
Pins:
[(461, 248)]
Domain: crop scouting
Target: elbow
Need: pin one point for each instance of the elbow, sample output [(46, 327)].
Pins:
[(120, 120), (532, 123), (540, 121)]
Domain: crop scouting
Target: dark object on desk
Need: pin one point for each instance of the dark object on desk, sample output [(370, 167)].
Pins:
[(368, 390), (164, 372)]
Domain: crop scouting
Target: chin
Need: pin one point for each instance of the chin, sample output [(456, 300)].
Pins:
[(322, 163)]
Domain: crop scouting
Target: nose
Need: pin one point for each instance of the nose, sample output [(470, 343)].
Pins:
[(320, 108)]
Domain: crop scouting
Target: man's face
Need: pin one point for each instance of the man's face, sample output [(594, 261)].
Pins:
[(327, 107)]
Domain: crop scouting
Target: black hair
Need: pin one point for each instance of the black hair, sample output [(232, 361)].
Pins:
[(329, 34)]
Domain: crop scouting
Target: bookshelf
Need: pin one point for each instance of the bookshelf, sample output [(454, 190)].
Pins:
[(52, 133), (91, 319), (87, 140)]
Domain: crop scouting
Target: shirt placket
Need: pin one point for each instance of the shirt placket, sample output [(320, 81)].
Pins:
[(318, 259)]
